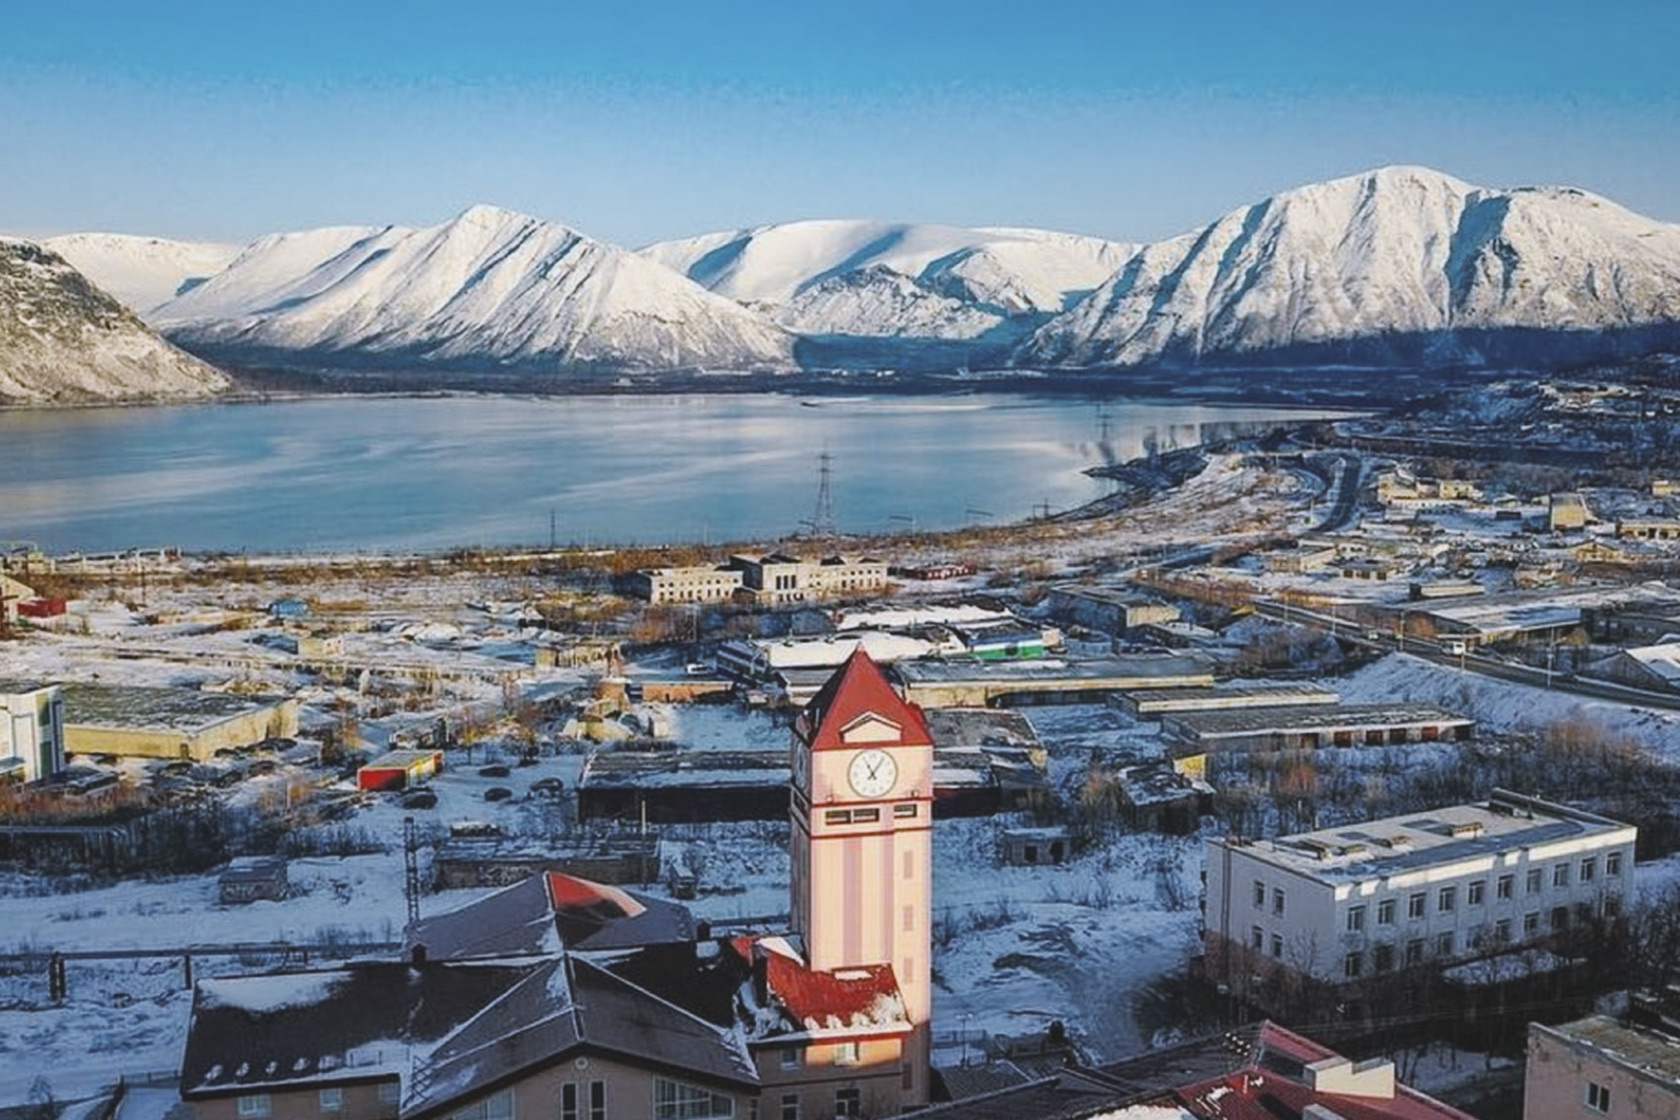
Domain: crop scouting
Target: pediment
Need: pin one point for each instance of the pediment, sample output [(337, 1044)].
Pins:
[(871, 728)]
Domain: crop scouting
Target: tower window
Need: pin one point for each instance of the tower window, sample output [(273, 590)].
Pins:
[(905, 809), (837, 816)]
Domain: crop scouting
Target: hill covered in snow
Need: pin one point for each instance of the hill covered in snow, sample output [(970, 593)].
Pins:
[(852, 283), (1402, 265), (488, 289), (142, 272), (64, 341)]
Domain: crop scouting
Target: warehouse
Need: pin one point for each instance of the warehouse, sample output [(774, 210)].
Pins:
[(977, 684), (1307, 727), (1150, 703), (170, 722), (399, 770)]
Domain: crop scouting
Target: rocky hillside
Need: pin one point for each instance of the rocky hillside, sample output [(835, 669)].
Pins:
[(63, 340)]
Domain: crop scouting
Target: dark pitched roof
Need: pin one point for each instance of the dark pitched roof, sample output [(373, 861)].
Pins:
[(443, 1029), (354, 1023), (551, 912), (858, 690)]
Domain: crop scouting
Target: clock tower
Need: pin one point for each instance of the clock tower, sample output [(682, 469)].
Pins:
[(862, 840)]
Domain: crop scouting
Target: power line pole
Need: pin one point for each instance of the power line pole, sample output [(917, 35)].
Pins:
[(822, 520), (411, 871)]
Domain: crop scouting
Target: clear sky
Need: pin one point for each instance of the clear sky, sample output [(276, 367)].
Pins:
[(636, 121)]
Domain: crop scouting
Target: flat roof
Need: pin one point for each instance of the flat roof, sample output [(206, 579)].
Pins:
[(172, 709), (18, 686), (1312, 717), (1281, 691), (1124, 667), (653, 769), (1413, 841), (1646, 1053)]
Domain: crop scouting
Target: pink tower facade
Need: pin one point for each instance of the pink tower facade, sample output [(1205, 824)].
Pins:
[(862, 841)]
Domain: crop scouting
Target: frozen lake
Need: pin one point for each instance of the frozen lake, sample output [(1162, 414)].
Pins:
[(403, 473)]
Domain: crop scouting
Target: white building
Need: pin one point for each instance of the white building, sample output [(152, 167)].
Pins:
[(780, 578), (1342, 904), (700, 584), (31, 730)]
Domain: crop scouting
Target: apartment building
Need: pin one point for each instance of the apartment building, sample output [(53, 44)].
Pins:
[(1340, 905)]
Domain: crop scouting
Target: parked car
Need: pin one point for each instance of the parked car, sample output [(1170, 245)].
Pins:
[(419, 799), (496, 770), (497, 793)]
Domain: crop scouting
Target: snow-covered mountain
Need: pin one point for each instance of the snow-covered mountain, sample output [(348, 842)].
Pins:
[(883, 280), (1401, 264), (63, 340), (142, 272), (489, 288)]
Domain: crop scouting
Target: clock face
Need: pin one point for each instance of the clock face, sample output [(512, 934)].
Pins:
[(801, 765), (872, 773)]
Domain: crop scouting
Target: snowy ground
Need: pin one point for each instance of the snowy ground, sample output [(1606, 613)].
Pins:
[(1505, 706)]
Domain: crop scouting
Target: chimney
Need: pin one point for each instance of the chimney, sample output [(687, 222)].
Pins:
[(760, 977), (1372, 1079)]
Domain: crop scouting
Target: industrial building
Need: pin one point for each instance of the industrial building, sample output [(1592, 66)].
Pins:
[(1110, 610), (31, 730), (1152, 703), (1319, 725), (978, 684), (399, 770), (1345, 903), (170, 722)]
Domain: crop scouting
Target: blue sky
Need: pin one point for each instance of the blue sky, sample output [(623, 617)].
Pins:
[(640, 121)]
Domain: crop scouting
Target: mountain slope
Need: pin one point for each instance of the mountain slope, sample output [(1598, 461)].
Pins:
[(1401, 264), (487, 289), (883, 280), (62, 340), (142, 272)]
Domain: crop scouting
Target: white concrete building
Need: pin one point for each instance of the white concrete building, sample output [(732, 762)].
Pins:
[(31, 730), (779, 578), (1343, 904), (699, 584)]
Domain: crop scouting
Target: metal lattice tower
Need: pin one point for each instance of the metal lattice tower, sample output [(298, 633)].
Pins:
[(411, 870), (822, 520)]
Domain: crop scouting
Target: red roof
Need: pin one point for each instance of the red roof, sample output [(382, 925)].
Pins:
[(568, 892), (858, 689), (861, 998), (1256, 1092)]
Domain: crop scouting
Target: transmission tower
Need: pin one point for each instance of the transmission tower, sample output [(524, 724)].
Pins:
[(821, 523), (411, 871)]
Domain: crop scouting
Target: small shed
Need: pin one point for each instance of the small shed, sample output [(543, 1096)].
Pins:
[(1035, 847), (249, 878), (1156, 797), (397, 770)]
